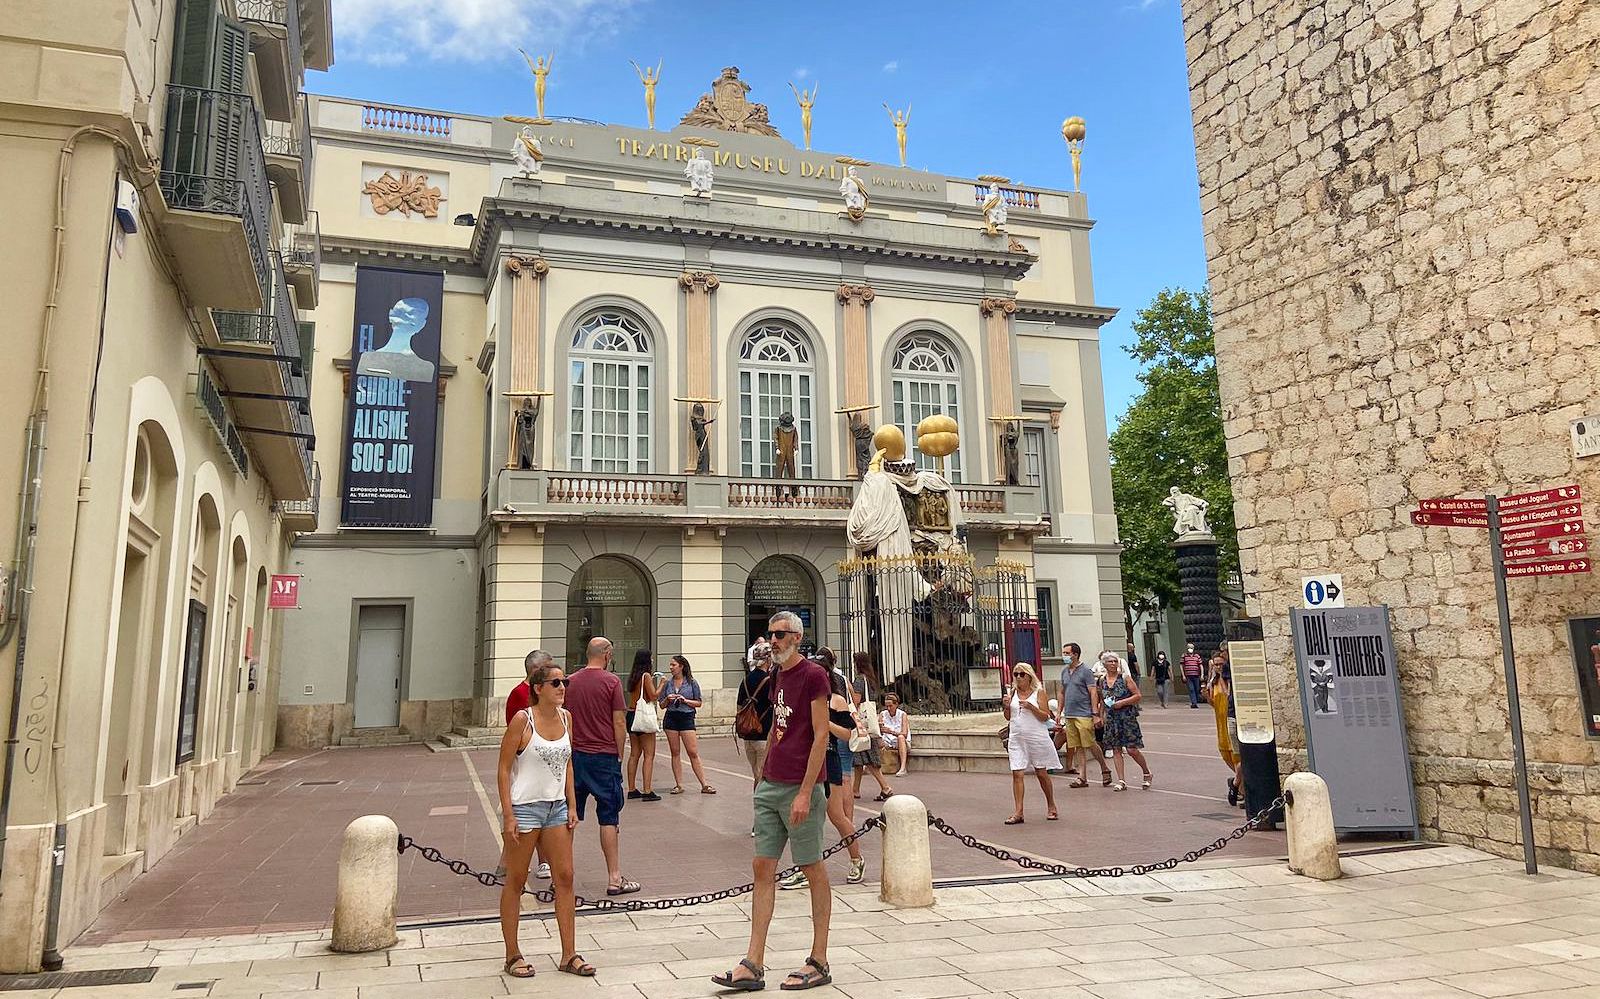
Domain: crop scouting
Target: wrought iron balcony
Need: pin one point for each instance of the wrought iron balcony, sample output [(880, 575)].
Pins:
[(273, 325), (301, 515), (280, 58), (209, 399), (302, 259), (289, 152), (212, 163)]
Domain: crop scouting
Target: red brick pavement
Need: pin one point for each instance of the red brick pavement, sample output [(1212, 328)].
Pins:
[(266, 859)]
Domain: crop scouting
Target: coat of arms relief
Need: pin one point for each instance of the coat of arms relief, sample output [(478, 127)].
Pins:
[(727, 108)]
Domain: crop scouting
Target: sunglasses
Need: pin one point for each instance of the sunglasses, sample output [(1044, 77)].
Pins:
[(557, 682), (780, 634)]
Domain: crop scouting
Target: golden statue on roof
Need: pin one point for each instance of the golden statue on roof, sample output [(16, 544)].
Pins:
[(727, 108)]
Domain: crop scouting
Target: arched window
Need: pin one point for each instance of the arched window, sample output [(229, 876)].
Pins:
[(927, 380), (609, 420), (610, 596), (776, 376)]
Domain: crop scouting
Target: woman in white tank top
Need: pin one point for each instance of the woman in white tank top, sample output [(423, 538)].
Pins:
[(538, 810)]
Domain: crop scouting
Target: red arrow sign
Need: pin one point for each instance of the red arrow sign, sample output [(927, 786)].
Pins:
[(1544, 497), (1559, 567), (1425, 519), (1544, 515), (1459, 504), (1545, 549), (1518, 535)]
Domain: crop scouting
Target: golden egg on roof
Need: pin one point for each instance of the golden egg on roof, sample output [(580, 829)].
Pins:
[(938, 435), (891, 441)]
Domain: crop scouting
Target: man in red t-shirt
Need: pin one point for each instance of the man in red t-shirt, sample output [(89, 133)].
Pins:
[(599, 737), (790, 805)]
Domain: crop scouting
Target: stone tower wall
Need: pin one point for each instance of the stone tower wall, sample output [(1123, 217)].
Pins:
[(1402, 221)]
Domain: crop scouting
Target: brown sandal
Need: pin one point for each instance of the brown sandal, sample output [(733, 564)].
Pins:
[(576, 965), (511, 967)]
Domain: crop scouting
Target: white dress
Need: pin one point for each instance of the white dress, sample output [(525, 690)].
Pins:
[(1029, 741)]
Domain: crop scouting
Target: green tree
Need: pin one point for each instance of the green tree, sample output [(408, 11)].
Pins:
[(1171, 435)]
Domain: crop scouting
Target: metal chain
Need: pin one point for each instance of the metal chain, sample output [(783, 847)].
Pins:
[(940, 825), (547, 895), (1063, 871)]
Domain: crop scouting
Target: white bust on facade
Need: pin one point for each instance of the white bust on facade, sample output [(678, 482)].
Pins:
[(994, 211), (528, 152), (1188, 512), (699, 174)]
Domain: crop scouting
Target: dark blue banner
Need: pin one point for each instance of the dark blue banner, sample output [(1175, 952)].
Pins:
[(394, 393)]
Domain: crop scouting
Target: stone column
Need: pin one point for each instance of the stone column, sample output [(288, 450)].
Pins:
[(526, 341), (697, 288), (997, 314), (857, 363)]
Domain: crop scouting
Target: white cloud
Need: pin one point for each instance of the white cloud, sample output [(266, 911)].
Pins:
[(393, 32), (891, 65), (801, 73)]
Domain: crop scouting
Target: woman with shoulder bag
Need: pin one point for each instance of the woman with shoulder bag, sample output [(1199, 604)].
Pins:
[(752, 721), (642, 726), (867, 744)]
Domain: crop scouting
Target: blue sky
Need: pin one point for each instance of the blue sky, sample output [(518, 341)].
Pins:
[(989, 85)]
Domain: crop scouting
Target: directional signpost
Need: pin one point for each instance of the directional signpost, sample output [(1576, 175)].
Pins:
[(1530, 534)]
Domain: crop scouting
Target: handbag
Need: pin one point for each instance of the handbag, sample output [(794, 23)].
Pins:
[(860, 741), (747, 720), (645, 721)]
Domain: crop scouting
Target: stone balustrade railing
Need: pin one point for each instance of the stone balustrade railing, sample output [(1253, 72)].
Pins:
[(802, 495), (616, 490)]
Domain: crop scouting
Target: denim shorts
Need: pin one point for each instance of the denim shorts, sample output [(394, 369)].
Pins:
[(533, 815)]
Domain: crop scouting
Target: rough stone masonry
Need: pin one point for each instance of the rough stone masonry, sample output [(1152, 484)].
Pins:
[(1402, 225)]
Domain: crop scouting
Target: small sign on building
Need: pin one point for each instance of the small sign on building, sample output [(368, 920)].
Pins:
[(1586, 437), (1326, 590), (284, 593)]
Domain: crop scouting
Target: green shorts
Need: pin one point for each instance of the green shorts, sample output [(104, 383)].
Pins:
[(772, 823)]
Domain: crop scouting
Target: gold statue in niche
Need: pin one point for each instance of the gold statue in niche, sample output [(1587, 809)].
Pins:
[(900, 119), (649, 78), (406, 194), (806, 99), (541, 73)]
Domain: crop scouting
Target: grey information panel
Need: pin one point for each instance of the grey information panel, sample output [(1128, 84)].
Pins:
[(1355, 736)]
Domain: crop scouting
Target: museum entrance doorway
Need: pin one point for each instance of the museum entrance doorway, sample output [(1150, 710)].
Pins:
[(782, 583)]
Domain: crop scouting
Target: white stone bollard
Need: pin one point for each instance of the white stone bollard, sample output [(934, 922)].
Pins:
[(369, 876), (1308, 813), (907, 864)]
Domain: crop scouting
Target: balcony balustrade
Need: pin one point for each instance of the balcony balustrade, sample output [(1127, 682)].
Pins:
[(581, 497), (1015, 197), (302, 259), (406, 121), (280, 58), (289, 158), (301, 515)]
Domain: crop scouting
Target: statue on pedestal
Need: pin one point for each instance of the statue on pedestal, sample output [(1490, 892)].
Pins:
[(527, 421), (1010, 452), (861, 434), (785, 441), (541, 73), (649, 78), (698, 421), (528, 152), (698, 172), (994, 211), (1188, 511)]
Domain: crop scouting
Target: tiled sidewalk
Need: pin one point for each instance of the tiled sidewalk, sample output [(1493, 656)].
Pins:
[(1413, 924)]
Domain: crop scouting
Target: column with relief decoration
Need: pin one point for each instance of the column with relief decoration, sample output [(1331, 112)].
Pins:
[(523, 394), (997, 341), (855, 298)]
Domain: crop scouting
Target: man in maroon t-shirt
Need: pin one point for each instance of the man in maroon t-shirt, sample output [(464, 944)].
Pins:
[(599, 736), (790, 805)]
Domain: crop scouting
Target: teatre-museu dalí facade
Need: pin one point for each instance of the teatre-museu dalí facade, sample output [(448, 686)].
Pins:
[(606, 291), (156, 256)]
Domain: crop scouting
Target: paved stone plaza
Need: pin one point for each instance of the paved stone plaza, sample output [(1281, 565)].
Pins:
[(1417, 923), (265, 860)]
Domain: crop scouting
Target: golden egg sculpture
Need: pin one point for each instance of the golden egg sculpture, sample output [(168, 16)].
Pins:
[(891, 440), (938, 435)]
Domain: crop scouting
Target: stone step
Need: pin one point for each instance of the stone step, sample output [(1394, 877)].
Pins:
[(117, 872), (366, 738), (954, 742)]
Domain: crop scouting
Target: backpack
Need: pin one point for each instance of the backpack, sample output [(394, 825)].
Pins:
[(747, 720)]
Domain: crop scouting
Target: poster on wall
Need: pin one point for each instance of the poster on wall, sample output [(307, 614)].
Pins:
[(194, 652), (1355, 733), (1585, 632), (393, 408)]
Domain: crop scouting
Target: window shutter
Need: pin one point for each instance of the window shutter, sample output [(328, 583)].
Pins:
[(232, 53), (232, 57), (195, 43)]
